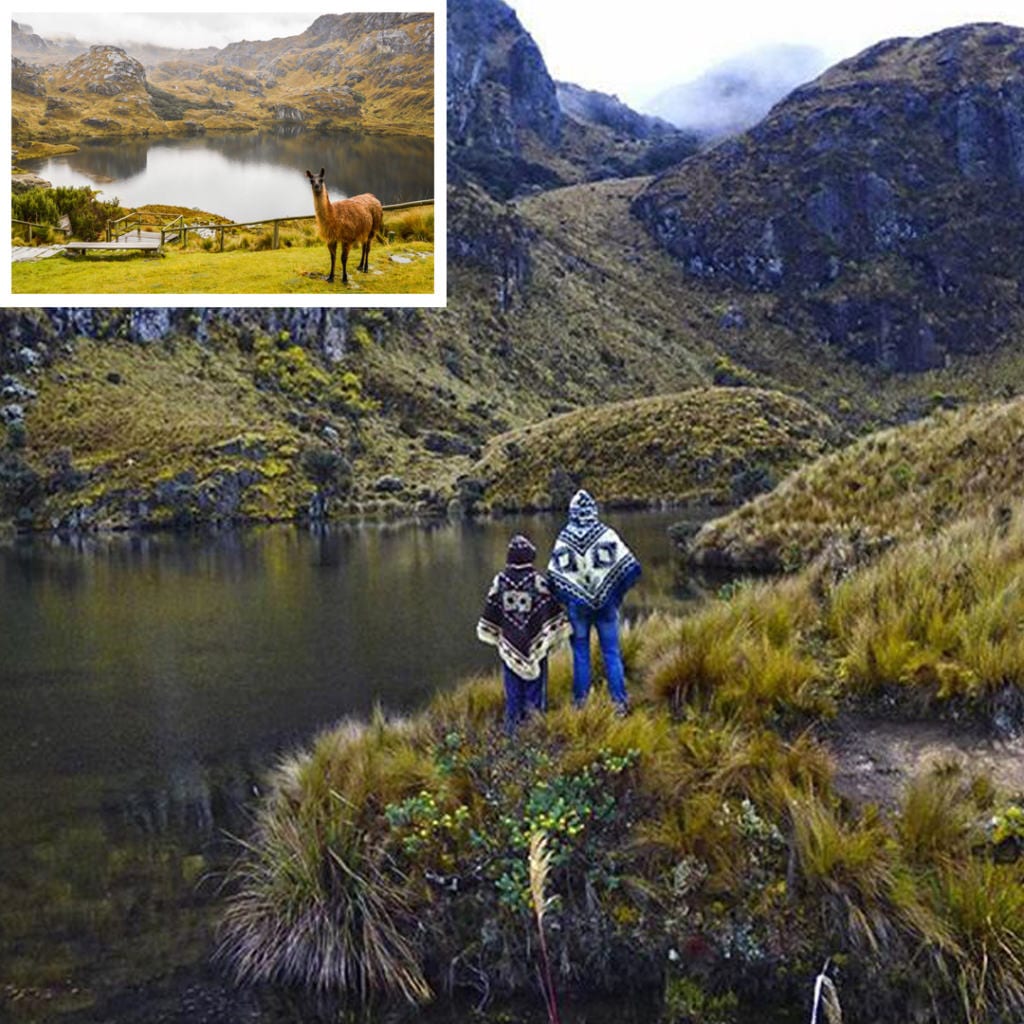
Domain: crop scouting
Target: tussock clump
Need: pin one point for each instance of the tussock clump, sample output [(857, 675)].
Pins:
[(394, 855), (695, 444), (897, 484)]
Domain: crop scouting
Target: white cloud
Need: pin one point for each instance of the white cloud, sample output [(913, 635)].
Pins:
[(179, 30), (638, 49)]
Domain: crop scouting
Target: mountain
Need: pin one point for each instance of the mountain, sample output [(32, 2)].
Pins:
[(736, 94), (513, 130), (882, 203), (562, 300), (362, 71)]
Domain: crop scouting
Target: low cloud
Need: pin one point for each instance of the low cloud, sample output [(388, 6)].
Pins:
[(175, 30)]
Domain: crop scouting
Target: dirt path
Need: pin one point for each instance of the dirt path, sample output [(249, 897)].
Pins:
[(876, 756)]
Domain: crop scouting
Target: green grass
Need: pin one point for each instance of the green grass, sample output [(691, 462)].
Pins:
[(718, 444), (900, 483), (704, 822), (287, 271)]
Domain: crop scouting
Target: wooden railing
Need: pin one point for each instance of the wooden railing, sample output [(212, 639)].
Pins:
[(31, 224), (136, 222), (180, 226)]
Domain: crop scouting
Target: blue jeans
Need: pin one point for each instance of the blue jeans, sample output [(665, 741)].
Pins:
[(523, 696), (606, 620)]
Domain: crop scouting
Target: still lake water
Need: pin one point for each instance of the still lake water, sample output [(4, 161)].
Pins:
[(247, 176), (147, 682)]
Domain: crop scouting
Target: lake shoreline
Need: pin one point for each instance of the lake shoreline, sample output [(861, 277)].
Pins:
[(719, 840)]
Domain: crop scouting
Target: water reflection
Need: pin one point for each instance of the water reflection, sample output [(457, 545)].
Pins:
[(249, 175), (149, 681)]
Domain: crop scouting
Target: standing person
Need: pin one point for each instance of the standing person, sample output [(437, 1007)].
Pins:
[(591, 569), (524, 621)]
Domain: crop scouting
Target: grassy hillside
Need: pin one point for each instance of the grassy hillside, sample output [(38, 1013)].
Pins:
[(717, 444), (343, 72), (287, 270), (706, 822), (899, 483)]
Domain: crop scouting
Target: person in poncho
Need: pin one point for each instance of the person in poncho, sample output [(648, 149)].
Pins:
[(591, 569), (524, 621)]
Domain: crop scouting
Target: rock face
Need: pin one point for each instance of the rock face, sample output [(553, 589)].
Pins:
[(599, 108), (500, 96), (26, 78), (883, 202), (103, 71), (323, 331), (513, 131)]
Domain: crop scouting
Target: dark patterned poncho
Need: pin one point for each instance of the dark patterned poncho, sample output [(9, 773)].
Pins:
[(590, 563), (520, 617)]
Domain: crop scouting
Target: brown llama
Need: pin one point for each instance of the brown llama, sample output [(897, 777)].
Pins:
[(345, 221), (377, 211)]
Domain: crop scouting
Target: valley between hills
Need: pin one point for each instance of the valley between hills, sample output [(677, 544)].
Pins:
[(812, 328)]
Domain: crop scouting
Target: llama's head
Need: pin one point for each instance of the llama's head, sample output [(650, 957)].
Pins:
[(317, 181)]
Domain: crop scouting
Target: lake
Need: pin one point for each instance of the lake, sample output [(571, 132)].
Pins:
[(147, 683), (247, 176)]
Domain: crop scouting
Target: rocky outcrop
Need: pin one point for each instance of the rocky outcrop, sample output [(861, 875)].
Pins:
[(103, 71), (490, 237), (26, 78), (501, 98), (323, 331), (599, 108), (883, 202)]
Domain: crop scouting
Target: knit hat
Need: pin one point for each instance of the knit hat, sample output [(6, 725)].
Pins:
[(582, 510), (521, 551)]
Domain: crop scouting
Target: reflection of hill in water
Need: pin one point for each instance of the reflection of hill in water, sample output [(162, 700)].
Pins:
[(111, 162), (395, 168)]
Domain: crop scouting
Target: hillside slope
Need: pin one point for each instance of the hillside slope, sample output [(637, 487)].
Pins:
[(708, 444), (372, 72), (882, 203), (900, 483)]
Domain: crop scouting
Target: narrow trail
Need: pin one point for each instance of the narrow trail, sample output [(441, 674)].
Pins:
[(875, 757)]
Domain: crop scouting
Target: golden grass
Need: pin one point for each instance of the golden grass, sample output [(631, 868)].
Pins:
[(695, 444), (901, 483)]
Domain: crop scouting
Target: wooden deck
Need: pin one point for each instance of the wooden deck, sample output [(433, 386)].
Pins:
[(30, 253), (143, 234), (150, 246)]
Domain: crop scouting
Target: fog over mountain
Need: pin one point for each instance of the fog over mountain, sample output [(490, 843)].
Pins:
[(737, 93)]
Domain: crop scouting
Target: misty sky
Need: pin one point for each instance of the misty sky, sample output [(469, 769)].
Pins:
[(639, 48), (178, 30)]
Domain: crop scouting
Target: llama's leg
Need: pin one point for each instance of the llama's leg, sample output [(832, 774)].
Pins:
[(366, 255), (344, 261), (332, 248)]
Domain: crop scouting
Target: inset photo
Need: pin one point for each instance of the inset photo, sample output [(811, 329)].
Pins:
[(266, 158)]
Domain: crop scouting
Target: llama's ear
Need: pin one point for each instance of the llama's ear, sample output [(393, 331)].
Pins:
[(309, 174), (321, 174)]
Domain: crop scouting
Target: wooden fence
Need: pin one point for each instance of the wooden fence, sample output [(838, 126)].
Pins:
[(179, 228), (49, 227)]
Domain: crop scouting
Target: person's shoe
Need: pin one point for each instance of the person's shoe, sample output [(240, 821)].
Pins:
[(621, 709)]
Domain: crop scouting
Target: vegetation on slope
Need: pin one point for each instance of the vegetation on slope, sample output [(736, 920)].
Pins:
[(714, 444), (699, 840), (899, 483), (343, 72)]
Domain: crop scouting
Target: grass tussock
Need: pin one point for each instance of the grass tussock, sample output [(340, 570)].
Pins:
[(899, 484), (720, 444), (701, 822)]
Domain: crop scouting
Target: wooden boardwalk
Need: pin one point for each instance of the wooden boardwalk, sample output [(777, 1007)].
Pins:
[(144, 235), (30, 253)]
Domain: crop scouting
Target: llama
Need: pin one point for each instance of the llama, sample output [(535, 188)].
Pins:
[(377, 211), (346, 221)]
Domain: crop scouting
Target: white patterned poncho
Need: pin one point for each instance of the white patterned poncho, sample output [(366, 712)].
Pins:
[(590, 563)]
